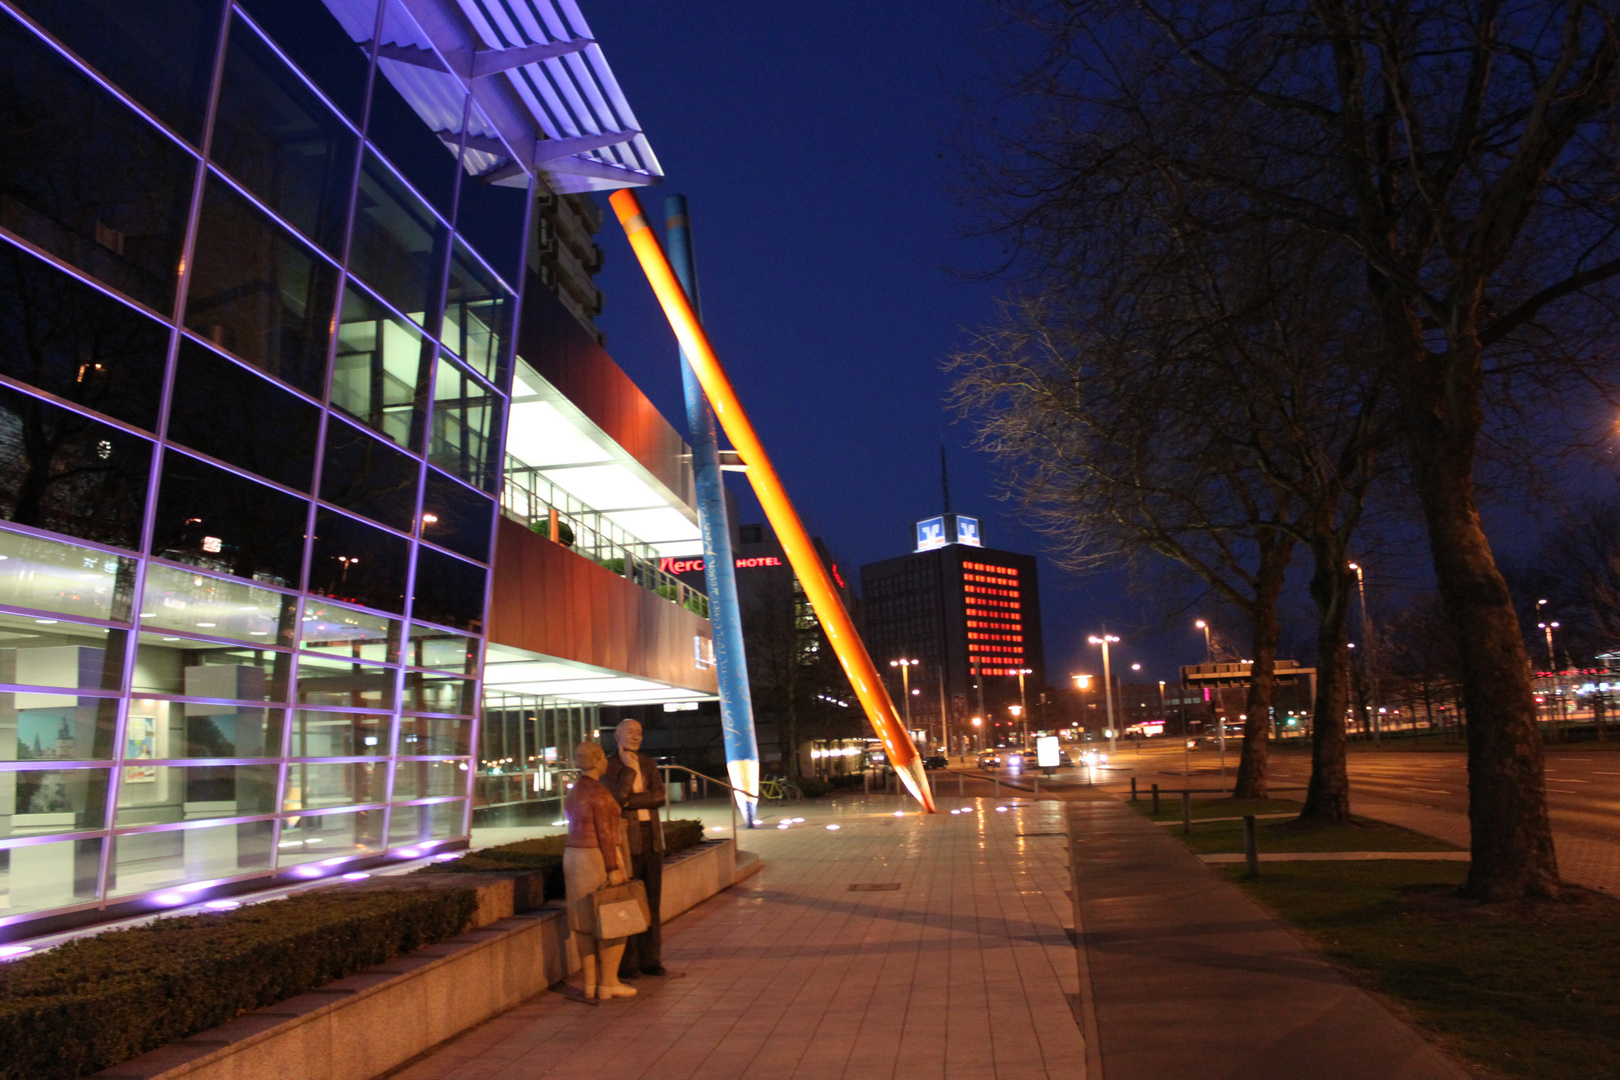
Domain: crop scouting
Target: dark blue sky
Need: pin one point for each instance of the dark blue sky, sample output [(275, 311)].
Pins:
[(813, 142)]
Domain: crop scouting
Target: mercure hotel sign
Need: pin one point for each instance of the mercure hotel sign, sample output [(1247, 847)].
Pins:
[(695, 566)]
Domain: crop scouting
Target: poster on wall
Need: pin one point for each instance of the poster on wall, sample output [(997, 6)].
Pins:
[(140, 744)]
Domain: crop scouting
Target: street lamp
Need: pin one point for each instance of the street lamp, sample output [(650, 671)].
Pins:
[(1022, 711), (1372, 655), (1209, 650), (1108, 683), (905, 667), (1549, 627)]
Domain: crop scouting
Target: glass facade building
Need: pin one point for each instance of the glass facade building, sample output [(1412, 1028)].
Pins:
[(258, 299)]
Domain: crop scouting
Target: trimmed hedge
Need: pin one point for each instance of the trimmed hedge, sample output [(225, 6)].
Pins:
[(814, 787), (545, 854), (97, 1001)]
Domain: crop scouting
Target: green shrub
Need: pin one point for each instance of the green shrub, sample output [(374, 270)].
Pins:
[(814, 788), (681, 835), (851, 780), (97, 1001), (543, 853)]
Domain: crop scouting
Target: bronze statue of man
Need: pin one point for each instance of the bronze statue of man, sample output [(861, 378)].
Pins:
[(635, 781)]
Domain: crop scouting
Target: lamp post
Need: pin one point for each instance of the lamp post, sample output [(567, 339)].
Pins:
[(1372, 655), (976, 724), (1018, 714), (1555, 703), (1108, 683), (905, 667), (1209, 650), (1023, 710)]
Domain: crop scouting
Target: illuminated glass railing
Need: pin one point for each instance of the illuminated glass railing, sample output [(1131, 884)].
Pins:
[(530, 499)]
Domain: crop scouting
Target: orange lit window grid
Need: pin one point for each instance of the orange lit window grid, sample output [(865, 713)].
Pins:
[(995, 637), (1012, 605), (988, 568), (980, 590)]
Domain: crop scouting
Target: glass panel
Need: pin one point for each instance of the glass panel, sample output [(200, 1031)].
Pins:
[(169, 665), (368, 476), (414, 824), (341, 631), (56, 727), (380, 374), (316, 786), (425, 779), (306, 31), (449, 591), (324, 681), (398, 245), (162, 794), (406, 135), (42, 876), (71, 474), (330, 836), (227, 523), (53, 801), (48, 575), (440, 694), (227, 412), (260, 294), (333, 734), (159, 51), (358, 563), (434, 648), (198, 729), (281, 141), (434, 735), (466, 426), (457, 517), (477, 315), (85, 178), (180, 600), (145, 861), (491, 216), (56, 653), (61, 335)]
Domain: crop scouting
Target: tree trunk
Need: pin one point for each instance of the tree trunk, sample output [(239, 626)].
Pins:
[(1511, 836), (1251, 774), (1327, 796)]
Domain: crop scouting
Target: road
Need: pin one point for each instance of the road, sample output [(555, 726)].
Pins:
[(1583, 781)]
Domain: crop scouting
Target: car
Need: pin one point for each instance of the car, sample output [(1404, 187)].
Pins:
[(936, 761), (989, 759)]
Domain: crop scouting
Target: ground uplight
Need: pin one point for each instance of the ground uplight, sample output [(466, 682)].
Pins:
[(222, 905), (11, 952), (899, 813), (832, 828), (356, 875)]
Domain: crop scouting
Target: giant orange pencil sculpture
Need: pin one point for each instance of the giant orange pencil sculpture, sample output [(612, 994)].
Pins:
[(801, 554)]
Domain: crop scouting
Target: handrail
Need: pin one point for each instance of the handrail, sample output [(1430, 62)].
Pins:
[(751, 794)]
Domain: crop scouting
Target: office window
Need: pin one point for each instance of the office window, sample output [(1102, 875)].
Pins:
[(71, 474), (78, 343), (398, 246), (368, 476), (217, 520), (281, 141), (321, 47), (466, 426), (260, 294), (477, 315), (85, 178), (228, 412), (358, 563), (448, 590), (456, 517), (380, 376)]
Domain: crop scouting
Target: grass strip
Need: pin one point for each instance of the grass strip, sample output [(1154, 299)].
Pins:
[(1284, 835), (1526, 990)]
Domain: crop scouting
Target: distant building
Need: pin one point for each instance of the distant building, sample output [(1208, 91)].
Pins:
[(972, 616)]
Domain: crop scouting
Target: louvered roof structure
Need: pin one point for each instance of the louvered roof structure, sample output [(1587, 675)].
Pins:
[(519, 87)]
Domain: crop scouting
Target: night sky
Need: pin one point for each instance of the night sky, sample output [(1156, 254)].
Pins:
[(812, 141), (815, 144)]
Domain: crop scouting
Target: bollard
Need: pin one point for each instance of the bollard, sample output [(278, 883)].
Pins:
[(866, 781), (1035, 778), (1155, 802), (1133, 789), (1251, 850), (1186, 812), (959, 785)]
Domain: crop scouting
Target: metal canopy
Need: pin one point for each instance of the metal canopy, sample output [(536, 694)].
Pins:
[(544, 101)]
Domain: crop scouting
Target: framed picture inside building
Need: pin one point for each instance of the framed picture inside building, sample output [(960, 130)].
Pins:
[(140, 744)]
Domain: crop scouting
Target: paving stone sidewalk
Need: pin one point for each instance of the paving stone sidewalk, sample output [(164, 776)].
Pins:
[(964, 972)]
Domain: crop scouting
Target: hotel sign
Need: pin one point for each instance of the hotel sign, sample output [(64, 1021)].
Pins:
[(695, 566)]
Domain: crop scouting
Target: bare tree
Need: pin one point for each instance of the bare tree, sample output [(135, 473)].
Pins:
[(1462, 151), (1195, 406)]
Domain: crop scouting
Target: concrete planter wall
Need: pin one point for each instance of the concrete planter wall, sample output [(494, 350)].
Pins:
[(362, 1026)]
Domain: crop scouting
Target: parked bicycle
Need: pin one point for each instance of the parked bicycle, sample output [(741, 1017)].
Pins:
[(779, 789)]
